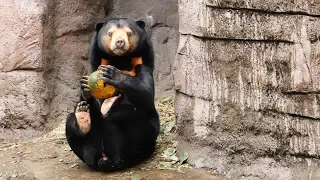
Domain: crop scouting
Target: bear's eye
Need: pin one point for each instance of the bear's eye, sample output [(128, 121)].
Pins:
[(129, 34), (110, 34)]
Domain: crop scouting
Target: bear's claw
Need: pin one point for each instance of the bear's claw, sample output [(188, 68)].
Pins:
[(85, 88)]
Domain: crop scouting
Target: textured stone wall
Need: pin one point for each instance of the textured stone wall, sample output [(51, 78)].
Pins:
[(246, 76), (71, 25), (23, 93)]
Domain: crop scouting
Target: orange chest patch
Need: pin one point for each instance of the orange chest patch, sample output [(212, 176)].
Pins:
[(134, 63)]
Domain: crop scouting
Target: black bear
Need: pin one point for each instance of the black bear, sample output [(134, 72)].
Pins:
[(123, 133)]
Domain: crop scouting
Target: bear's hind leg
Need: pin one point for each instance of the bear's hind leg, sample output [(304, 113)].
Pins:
[(82, 114), (84, 141)]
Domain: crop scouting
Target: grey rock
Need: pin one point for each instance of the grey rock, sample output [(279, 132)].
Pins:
[(247, 91)]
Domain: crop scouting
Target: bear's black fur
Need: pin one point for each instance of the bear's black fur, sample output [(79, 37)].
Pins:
[(127, 135)]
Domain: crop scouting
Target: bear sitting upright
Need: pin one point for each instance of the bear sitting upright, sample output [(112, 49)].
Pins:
[(124, 133)]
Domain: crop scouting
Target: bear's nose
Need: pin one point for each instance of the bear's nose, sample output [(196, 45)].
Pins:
[(120, 42)]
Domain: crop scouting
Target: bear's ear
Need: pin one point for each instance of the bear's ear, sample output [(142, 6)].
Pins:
[(99, 26), (141, 24)]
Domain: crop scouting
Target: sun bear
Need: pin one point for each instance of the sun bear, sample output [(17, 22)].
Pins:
[(121, 131)]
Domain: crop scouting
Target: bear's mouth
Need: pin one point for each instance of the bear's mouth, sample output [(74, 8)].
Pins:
[(119, 51)]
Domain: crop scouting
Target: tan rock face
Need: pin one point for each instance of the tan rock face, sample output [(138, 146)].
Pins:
[(21, 35), (247, 75), (73, 25), (45, 49), (23, 97), (23, 92)]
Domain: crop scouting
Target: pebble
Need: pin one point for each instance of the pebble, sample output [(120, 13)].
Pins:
[(74, 165)]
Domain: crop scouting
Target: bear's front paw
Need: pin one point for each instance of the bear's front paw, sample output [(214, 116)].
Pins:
[(82, 113), (113, 76), (84, 88)]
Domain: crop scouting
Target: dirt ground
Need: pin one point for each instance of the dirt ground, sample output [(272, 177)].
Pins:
[(49, 157)]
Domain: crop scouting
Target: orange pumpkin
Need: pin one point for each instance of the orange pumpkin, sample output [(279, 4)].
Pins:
[(97, 87)]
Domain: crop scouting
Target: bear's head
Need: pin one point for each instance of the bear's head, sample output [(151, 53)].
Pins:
[(120, 37)]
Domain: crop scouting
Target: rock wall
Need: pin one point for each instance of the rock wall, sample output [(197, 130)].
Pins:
[(45, 49), (71, 28), (23, 93), (247, 101)]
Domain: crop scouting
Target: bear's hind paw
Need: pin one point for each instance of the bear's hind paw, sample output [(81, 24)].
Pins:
[(83, 117)]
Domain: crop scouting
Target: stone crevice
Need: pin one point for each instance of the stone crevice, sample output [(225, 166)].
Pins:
[(268, 41), (261, 11)]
